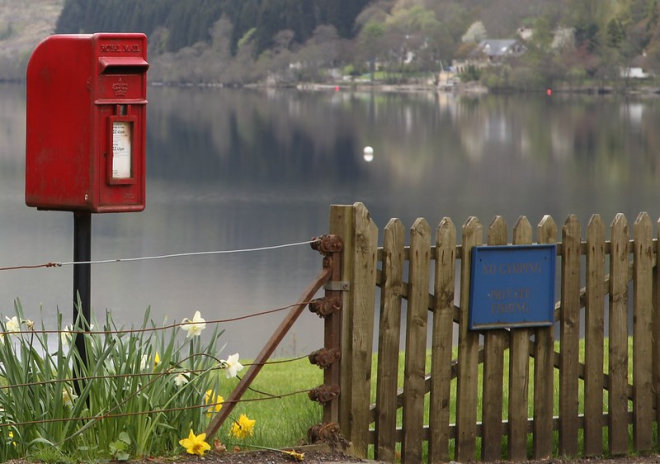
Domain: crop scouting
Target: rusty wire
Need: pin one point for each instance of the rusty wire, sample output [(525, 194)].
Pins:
[(171, 371), (154, 411), (152, 329), (34, 266)]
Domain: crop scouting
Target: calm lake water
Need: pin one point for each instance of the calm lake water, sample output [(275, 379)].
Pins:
[(236, 169)]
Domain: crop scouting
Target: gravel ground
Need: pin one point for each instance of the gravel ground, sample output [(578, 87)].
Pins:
[(326, 456), (322, 455)]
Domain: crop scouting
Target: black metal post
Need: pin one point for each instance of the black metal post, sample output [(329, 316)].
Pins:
[(82, 284)]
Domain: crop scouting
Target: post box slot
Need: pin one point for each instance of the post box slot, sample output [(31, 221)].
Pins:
[(124, 65)]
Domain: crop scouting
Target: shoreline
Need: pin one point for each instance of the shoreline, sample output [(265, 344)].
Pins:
[(470, 88)]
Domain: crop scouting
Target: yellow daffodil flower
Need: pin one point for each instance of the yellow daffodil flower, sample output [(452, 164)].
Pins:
[(195, 444), (232, 366), (194, 327), (11, 435), (243, 427), (214, 402), (156, 360)]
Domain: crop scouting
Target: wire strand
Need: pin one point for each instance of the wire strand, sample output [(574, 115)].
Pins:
[(72, 331), (149, 258), (195, 253)]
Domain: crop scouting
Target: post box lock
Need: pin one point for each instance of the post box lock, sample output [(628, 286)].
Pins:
[(86, 123)]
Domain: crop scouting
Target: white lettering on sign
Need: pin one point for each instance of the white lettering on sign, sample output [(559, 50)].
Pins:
[(121, 149)]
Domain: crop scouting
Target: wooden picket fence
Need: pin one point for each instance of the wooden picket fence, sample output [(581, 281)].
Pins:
[(456, 407)]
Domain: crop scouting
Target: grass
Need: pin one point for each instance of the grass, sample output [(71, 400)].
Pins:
[(282, 422)]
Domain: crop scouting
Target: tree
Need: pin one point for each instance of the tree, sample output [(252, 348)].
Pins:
[(475, 33), (319, 52), (420, 36), (613, 34), (370, 40), (377, 11)]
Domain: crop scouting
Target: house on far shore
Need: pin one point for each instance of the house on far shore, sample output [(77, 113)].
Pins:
[(491, 52), (634, 73)]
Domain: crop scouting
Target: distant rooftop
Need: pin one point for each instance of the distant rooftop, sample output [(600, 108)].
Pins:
[(499, 47)]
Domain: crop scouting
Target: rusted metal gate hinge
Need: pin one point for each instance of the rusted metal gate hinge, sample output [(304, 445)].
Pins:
[(324, 393)]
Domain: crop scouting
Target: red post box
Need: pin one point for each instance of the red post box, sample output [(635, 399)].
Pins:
[(86, 122)]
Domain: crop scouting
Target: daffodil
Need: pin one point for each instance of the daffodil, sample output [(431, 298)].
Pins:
[(144, 361), (180, 380), (215, 403), (243, 427), (12, 325), (195, 444), (29, 324), (11, 435), (66, 336), (68, 397), (232, 366), (297, 456), (194, 327)]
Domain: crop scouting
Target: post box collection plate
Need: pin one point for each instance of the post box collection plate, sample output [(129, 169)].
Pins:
[(86, 121), (512, 286)]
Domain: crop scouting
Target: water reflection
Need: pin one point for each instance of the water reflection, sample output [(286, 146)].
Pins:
[(232, 169)]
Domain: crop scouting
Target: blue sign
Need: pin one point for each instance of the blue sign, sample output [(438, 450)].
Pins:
[(512, 286)]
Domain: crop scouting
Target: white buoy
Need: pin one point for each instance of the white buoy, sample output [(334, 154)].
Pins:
[(368, 154)]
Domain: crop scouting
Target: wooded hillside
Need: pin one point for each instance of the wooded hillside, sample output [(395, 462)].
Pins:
[(190, 21), (286, 42)]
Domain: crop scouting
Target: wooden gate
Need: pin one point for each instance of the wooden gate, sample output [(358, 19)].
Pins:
[(504, 393)]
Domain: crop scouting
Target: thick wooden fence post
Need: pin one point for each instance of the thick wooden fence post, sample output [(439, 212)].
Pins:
[(360, 236), (341, 224)]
